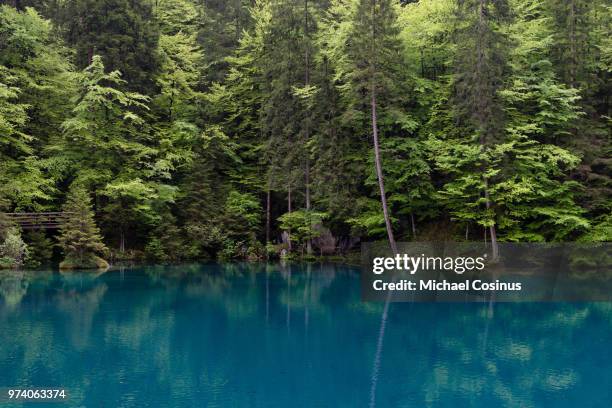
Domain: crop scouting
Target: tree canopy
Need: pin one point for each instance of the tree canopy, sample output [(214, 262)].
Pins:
[(213, 128)]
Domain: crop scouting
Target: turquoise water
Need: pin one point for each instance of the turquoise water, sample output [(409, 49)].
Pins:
[(292, 336)]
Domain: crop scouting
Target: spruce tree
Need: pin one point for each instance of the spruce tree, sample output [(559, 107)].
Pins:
[(481, 71), (370, 65), (221, 25), (80, 237), (123, 32), (539, 200), (582, 56), (287, 117)]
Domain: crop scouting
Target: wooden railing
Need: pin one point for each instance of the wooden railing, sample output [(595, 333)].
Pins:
[(45, 220)]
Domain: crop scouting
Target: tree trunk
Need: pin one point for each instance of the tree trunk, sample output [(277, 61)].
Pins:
[(309, 241), (484, 103), (413, 226), (494, 244), (379, 172), (268, 204), (289, 247), (122, 241), (307, 129), (492, 232), (572, 40)]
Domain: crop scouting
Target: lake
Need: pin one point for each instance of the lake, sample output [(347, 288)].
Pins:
[(257, 335)]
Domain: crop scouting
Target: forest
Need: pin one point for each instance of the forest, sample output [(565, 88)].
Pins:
[(174, 130)]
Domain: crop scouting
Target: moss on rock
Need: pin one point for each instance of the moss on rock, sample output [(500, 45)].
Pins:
[(90, 262)]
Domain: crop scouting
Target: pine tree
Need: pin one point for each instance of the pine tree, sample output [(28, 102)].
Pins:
[(240, 101), (486, 116), (286, 114), (221, 25), (540, 202), (80, 237), (123, 32), (370, 65), (40, 247), (582, 60), (481, 72)]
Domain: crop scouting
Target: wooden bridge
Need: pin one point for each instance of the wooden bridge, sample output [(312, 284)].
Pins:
[(43, 220)]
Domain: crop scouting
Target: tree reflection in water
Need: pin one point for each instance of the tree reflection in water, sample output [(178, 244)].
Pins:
[(288, 335)]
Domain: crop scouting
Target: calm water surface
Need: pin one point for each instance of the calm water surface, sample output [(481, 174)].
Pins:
[(293, 336)]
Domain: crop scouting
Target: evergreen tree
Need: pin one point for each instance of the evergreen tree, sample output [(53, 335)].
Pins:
[(287, 114), (105, 135), (486, 116), (40, 248), (205, 191), (370, 66), (241, 100), (481, 72), (540, 110), (123, 32), (80, 237), (221, 25), (110, 149), (582, 59)]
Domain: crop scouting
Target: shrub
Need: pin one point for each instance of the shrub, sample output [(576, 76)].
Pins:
[(13, 251)]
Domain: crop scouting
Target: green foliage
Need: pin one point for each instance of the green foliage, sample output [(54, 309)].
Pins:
[(600, 232), (200, 126), (220, 25), (105, 132), (14, 252), (181, 59), (166, 242), (40, 248), (80, 237), (370, 220), (33, 94), (123, 32), (176, 16), (244, 208), (303, 225), (12, 115), (5, 223)]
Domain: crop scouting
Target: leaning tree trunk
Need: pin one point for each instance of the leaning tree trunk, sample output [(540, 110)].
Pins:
[(383, 200), (379, 172), (289, 247)]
